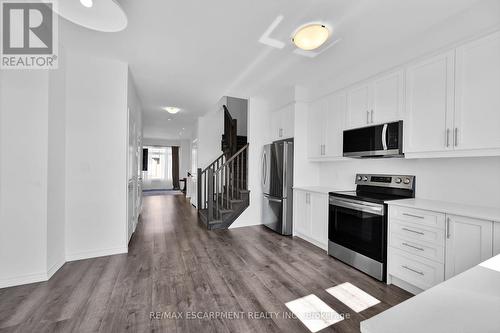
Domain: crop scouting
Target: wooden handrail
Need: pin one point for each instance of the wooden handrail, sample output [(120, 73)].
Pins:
[(213, 163), (233, 157)]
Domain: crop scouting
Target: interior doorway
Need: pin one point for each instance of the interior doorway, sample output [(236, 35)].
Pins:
[(158, 175)]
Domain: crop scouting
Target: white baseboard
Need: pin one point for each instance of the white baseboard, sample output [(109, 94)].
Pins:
[(312, 241), (23, 279), (52, 270), (405, 285), (95, 254), (41, 277)]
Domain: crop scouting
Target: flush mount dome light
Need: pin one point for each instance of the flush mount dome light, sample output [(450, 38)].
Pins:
[(87, 3), (99, 15), (311, 36), (172, 109)]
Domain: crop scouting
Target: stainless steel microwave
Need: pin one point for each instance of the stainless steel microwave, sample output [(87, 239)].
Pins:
[(385, 140)]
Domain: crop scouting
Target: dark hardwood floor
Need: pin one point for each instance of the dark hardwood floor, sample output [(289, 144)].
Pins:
[(174, 265)]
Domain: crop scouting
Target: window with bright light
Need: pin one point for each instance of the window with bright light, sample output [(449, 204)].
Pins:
[(159, 163)]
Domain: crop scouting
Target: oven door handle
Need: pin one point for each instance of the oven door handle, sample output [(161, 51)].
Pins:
[(358, 206)]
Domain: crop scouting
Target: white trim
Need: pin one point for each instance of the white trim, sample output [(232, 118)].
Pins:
[(23, 279), (96, 253), (454, 153), (405, 285), (52, 270), (312, 241)]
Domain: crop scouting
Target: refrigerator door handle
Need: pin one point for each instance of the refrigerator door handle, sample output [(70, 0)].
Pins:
[(272, 199), (264, 168), (285, 167)]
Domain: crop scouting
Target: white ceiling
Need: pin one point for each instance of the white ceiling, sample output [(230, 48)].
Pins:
[(189, 53)]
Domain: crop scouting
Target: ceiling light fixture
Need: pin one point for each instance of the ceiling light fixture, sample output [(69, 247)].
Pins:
[(171, 109), (101, 15), (87, 3), (311, 36)]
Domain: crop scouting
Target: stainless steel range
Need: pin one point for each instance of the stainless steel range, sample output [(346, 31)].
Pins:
[(357, 222)]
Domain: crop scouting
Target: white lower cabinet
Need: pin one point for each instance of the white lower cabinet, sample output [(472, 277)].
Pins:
[(468, 242), (310, 217), (426, 247)]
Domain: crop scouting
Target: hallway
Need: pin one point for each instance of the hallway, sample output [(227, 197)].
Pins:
[(176, 266)]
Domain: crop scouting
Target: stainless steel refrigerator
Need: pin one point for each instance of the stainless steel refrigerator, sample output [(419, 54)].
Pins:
[(277, 186)]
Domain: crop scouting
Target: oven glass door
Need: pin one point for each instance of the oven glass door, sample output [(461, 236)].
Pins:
[(358, 229)]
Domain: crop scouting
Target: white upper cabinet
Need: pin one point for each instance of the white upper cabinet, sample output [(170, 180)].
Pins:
[(282, 122), (468, 243), (388, 98), (477, 102), (335, 125), (377, 101), (429, 104), (326, 122), (359, 106), (316, 118)]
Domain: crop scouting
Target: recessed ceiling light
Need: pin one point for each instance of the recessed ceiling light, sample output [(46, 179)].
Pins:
[(311, 36), (87, 3), (171, 109)]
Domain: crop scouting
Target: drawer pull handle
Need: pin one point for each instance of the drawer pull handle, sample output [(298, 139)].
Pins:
[(415, 232), (413, 247), (411, 215), (413, 270)]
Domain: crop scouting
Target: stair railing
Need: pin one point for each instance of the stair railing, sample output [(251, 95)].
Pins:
[(204, 176), (219, 186)]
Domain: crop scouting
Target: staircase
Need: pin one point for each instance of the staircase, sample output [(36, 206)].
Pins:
[(223, 186)]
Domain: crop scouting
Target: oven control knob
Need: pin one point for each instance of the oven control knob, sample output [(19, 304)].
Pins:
[(365, 178), (407, 181), (398, 180), (360, 178)]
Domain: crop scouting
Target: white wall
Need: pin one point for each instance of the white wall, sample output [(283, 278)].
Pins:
[(463, 180), (258, 136), (23, 176), (96, 157), (56, 176), (209, 134), (238, 108)]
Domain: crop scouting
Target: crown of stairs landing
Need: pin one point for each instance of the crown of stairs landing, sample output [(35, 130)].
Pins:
[(223, 186)]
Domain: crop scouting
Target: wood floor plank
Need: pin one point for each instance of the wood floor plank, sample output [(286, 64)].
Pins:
[(175, 266)]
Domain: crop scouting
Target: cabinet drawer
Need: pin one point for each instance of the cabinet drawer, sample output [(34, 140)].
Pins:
[(420, 272), (423, 217), (429, 251), (416, 232)]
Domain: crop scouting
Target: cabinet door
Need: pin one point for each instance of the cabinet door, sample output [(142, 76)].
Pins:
[(287, 121), (358, 106), (334, 125), (319, 218), (469, 242), (276, 125), (387, 103), (301, 219), (315, 128), (429, 104), (477, 103)]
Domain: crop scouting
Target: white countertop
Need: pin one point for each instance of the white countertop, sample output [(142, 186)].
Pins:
[(319, 189), (478, 212), (468, 302)]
